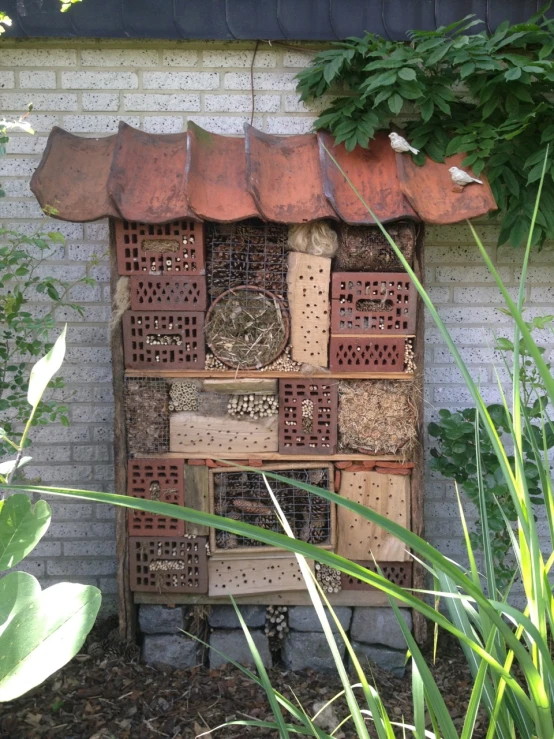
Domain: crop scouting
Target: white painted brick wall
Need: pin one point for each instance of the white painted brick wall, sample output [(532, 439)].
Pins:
[(87, 88)]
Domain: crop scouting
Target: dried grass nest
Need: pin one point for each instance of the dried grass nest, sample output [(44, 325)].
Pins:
[(378, 416), (247, 328)]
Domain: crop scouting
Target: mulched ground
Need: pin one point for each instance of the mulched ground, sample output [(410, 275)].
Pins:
[(112, 696)]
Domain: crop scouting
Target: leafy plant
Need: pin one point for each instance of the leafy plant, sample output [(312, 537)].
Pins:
[(40, 630), (486, 95)]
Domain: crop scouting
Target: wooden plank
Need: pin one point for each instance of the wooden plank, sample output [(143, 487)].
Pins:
[(417, 492), (126, 609), (243, 386), (196, 496), (192, 433), (308, 279), (389, 495), (275, 456), (237, 374), (254, 575), (289, 598)]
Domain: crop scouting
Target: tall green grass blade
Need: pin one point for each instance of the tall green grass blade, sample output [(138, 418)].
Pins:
[(418, 701)]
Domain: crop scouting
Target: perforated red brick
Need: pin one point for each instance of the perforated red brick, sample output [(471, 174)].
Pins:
[(160, 480), (399, 573), (168, 293), (160, 565), (359, 354), (372, 303), (163, 340), (175, 248), (308, 411)]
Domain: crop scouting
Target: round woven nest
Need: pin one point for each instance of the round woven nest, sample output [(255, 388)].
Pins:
[(247, 327)]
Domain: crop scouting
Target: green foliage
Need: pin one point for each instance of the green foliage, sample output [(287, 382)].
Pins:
[(488, 96), (5, 20), (40, 630), (67, 4)]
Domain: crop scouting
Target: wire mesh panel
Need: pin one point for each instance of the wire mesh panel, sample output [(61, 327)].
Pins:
[(159, 565), (147, 415), (356, 354), (155, 480), (243, 496), (168, 248), (163, 340), (365, 302), (399, 573), (251, 253), (308, 411), (168, 293)]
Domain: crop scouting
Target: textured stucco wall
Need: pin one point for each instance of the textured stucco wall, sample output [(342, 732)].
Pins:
[(87, 88)]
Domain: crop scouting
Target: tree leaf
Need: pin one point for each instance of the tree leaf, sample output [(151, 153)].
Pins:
[(395, 103), (17, 590), (45, 369), (45, 635), (512, 74), (22, 526), (407, 73)]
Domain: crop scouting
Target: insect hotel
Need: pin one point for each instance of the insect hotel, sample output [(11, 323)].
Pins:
[(261, 318)]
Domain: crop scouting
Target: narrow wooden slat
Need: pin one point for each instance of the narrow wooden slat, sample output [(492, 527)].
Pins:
[(192, 433), (295, 598), (254, 575), (243, 386), (275, 456), (225, 374), (196, 496)]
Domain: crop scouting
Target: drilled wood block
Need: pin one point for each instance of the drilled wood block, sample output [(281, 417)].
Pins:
[(372, 303), (308, 290), (175, 248), (215, 436), (400, 573), (360, 354), (163, 340), (308, 416), (168, 565), (168, 293), (389, 495), (252, 575), (155, 480)]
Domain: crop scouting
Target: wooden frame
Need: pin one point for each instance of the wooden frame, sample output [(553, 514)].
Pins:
[(253, 551)]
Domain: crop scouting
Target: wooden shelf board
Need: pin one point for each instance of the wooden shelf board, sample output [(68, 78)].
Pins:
[(275, 456), (292, 598), (231, 374)]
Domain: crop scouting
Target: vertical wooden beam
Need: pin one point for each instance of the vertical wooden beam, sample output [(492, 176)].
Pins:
[(418, 521), (126, 608)]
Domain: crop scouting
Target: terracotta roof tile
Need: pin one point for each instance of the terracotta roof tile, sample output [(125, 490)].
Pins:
[(155, 178)]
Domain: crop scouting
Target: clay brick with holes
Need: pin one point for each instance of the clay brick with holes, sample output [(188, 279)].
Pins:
[(360, 354), (168, 293), (158, 480), (163, 340), (175, 248), (400, 573), (372, 303), (163, 565), (308, 416)]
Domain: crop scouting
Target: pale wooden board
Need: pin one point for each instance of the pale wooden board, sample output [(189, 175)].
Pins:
[(242, 386), (191, 433), (389, 495), (252, 575), (286, 598), (308, 280), (197, 495)]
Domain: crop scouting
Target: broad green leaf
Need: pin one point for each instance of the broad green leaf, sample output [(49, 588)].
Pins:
[(6, 468), (45, 635), (407, 73), (45, 369), (395, 103), (17, 590), (22, 526)]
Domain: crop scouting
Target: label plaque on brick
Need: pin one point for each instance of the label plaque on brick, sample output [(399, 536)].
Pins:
[(308, 413), (372, 303), (168, 293)]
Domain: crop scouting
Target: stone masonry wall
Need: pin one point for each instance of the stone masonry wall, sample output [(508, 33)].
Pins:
[(87, 88)]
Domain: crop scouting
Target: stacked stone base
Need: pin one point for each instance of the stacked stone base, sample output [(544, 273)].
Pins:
[(373, 632)]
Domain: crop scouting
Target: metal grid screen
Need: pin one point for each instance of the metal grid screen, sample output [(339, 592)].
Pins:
[(147, 415)]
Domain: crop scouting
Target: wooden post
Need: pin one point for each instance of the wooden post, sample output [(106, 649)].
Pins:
[(126, 608), (418, 521)]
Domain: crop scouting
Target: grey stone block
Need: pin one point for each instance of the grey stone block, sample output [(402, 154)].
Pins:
[(304, 618), (391, 660), (224, 617), (379, 626), (309, 649), (233, 644), (170, 649), (160, 619)]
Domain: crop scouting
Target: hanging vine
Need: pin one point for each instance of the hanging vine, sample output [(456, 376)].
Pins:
[(486, 95)]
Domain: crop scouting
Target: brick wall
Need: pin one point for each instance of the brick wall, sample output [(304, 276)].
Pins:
[(87, 88)]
